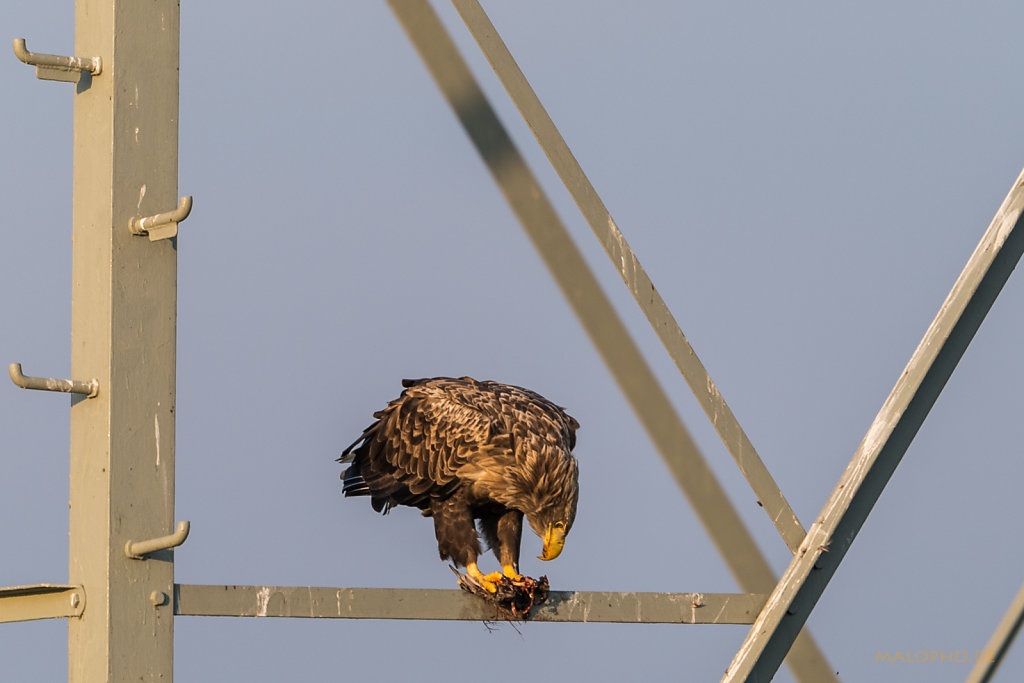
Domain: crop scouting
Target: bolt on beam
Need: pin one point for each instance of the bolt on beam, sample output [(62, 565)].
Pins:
[(42, 601)]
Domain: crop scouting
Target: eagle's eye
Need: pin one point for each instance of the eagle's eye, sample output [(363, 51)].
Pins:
[(559, 525)]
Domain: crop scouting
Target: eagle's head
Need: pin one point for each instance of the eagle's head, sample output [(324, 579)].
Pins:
[(556, 498), (553, 535)]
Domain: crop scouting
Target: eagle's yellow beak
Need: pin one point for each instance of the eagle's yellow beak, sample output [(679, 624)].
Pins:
[(554, 539)]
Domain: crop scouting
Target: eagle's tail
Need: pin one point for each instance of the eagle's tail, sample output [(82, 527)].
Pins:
[(354, 484)]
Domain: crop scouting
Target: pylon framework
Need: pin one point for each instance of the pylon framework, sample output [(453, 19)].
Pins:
[(123, 377)]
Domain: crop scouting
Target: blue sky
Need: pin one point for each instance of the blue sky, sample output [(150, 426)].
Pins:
[(802, 183)]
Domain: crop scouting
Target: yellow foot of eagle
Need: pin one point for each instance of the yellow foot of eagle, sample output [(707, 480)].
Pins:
[(490, 581), (512, 594)]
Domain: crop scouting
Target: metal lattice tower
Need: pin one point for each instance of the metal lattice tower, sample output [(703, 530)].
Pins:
[(122, 525)]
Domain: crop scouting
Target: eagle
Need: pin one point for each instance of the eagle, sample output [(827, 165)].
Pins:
[(463, 451)]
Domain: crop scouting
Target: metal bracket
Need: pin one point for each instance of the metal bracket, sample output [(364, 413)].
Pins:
[(55, 67), (136, 550), (163, 225), (41, 601), (68, 386)]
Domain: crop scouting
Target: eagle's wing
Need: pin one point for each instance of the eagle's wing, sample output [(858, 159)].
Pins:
[(415, 449), (530, 418)]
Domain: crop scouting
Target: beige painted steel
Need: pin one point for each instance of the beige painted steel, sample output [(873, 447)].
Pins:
[(137, 550), (69, 386), (999, 644), (632, 273), (887, 439), (56, 67), (598, 317), (418, 603), (43, 601), (123, 333), (162, 226)]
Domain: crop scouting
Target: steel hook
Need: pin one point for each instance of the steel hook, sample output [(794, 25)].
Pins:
[(56, 67), (162, 225), (68, 386), (136, 550)]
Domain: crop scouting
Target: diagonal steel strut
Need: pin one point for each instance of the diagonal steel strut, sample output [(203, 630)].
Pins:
[(598, 317), (999, 644), (633, 274), (888, 438)]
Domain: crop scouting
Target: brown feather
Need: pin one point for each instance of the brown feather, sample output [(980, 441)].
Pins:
[(460, 450)]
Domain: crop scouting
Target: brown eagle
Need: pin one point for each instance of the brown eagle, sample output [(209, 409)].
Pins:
[(462, 450)]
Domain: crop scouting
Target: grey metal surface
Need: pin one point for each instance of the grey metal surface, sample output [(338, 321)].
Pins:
[(888, 438), (999, 644), (420, 603), (597, 316), (44, 601), (633, 274), (123, 321)]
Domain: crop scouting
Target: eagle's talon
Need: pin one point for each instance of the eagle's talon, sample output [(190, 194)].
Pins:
[(488, 581), (489, 586), (509, 572), (492, 580)]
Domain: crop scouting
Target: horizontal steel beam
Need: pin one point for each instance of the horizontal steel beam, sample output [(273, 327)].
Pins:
[(42, 601), (440, 604)]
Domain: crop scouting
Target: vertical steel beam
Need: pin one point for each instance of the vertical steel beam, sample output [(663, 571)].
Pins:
[(598, 317), (999, 644), (123, 317), (888, 438), (632, 273)]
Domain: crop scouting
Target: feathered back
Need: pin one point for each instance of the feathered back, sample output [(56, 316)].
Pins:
[(503, 443)]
